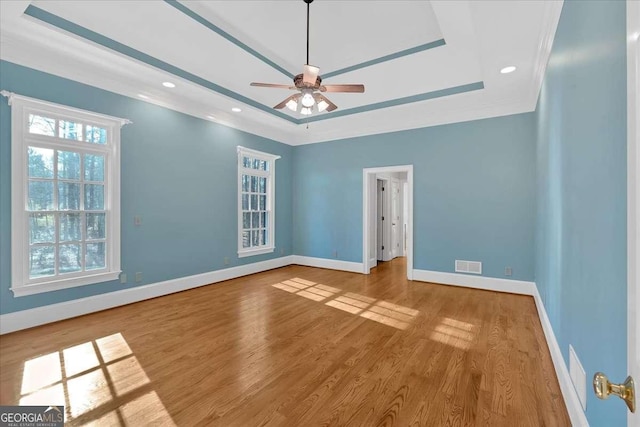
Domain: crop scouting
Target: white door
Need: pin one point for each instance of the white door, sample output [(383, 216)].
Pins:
[(633, 216), (380, 221), (396, 223), (633, 197), (405, 216)]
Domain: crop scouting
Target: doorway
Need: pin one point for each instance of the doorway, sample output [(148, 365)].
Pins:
[(374, 179)]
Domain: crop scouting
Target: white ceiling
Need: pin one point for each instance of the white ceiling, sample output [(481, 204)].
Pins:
[(442, 57)]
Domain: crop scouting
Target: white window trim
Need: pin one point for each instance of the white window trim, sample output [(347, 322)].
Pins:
[(21, 106), (271, 200)]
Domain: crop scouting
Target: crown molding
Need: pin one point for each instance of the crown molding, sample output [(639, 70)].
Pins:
[(553, 10)]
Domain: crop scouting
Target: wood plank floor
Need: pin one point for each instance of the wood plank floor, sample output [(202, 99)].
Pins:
[(295, 346)]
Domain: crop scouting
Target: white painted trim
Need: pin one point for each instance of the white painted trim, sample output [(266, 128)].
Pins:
[(21, 107), (485, 283), (63, 109), (633, 201), (332, 264), (553, 10), (373, 262), (258, 251), (569, 394), (16, 321), (365, 214), (571, 400), (270, 174), (65, 283), (24, 319), (259, 154)]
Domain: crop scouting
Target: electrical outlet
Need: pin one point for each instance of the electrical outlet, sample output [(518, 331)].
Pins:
[(138, 276), (123, 278), (335, 254), (508, 271), (282, 251), (226, 260), (137, 221)]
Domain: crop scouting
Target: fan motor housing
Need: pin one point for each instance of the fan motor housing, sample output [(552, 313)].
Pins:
[(298, 81)]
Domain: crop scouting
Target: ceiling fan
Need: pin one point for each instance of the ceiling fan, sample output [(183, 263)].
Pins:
[(309, 85)]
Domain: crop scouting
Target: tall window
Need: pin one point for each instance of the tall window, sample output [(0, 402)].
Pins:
[(65, 196), (256, 187)]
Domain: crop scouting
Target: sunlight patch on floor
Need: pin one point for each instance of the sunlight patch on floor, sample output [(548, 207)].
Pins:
[(79, 358), (454, 333), (40, 372), (380, 311), (85, 377)]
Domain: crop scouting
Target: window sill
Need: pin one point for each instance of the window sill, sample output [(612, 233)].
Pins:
[(252, 252), (55, 285)]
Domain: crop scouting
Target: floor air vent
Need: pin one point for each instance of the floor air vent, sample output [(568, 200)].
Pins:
[(474, 267)]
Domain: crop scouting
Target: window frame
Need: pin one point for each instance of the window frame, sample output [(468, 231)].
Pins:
[(270, 174), (21, 140)]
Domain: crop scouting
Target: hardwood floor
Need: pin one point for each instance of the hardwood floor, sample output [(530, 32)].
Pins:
[(295, 346)]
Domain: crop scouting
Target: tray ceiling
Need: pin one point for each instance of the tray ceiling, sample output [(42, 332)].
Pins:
[(423, 63)]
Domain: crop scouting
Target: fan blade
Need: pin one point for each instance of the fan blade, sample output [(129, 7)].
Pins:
[(273, 85), (331, 107), (310, 74), (284, 103), (342, 88)]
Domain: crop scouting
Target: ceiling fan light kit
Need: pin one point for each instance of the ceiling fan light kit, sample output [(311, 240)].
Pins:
[(310, 99)]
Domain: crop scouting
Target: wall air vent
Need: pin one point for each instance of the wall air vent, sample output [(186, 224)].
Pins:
[(473, 267)]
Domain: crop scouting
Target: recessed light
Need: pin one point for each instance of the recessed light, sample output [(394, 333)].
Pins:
[(236, 109), (211, 117), (142, 96), (507, 70), (168, 84)]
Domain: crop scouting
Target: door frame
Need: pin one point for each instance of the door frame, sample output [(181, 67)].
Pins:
[(379, 224), (395, 234), (633, 200), (368, 204)]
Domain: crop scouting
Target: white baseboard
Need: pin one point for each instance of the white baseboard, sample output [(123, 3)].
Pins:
[(373, 262), (569, 394), (571, 400), (24, 319), (332, 264), (476, 282)]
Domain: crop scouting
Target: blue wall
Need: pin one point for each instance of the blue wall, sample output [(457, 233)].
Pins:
[(581, 199), (474, 194), (179, 173), (543, 193)]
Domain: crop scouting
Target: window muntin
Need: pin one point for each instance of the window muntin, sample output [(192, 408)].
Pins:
[(256, 202), (65, 196), (67, 213)]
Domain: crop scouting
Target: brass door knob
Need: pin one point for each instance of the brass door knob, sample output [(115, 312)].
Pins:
[(625, 391)]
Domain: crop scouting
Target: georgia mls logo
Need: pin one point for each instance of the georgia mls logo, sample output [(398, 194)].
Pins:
[(31, 416)]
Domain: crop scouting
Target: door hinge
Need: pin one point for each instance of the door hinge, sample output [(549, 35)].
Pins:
[(383, 247), (383, 218), (382, 188)]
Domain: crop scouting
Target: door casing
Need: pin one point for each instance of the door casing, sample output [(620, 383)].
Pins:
[(369, 208)]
